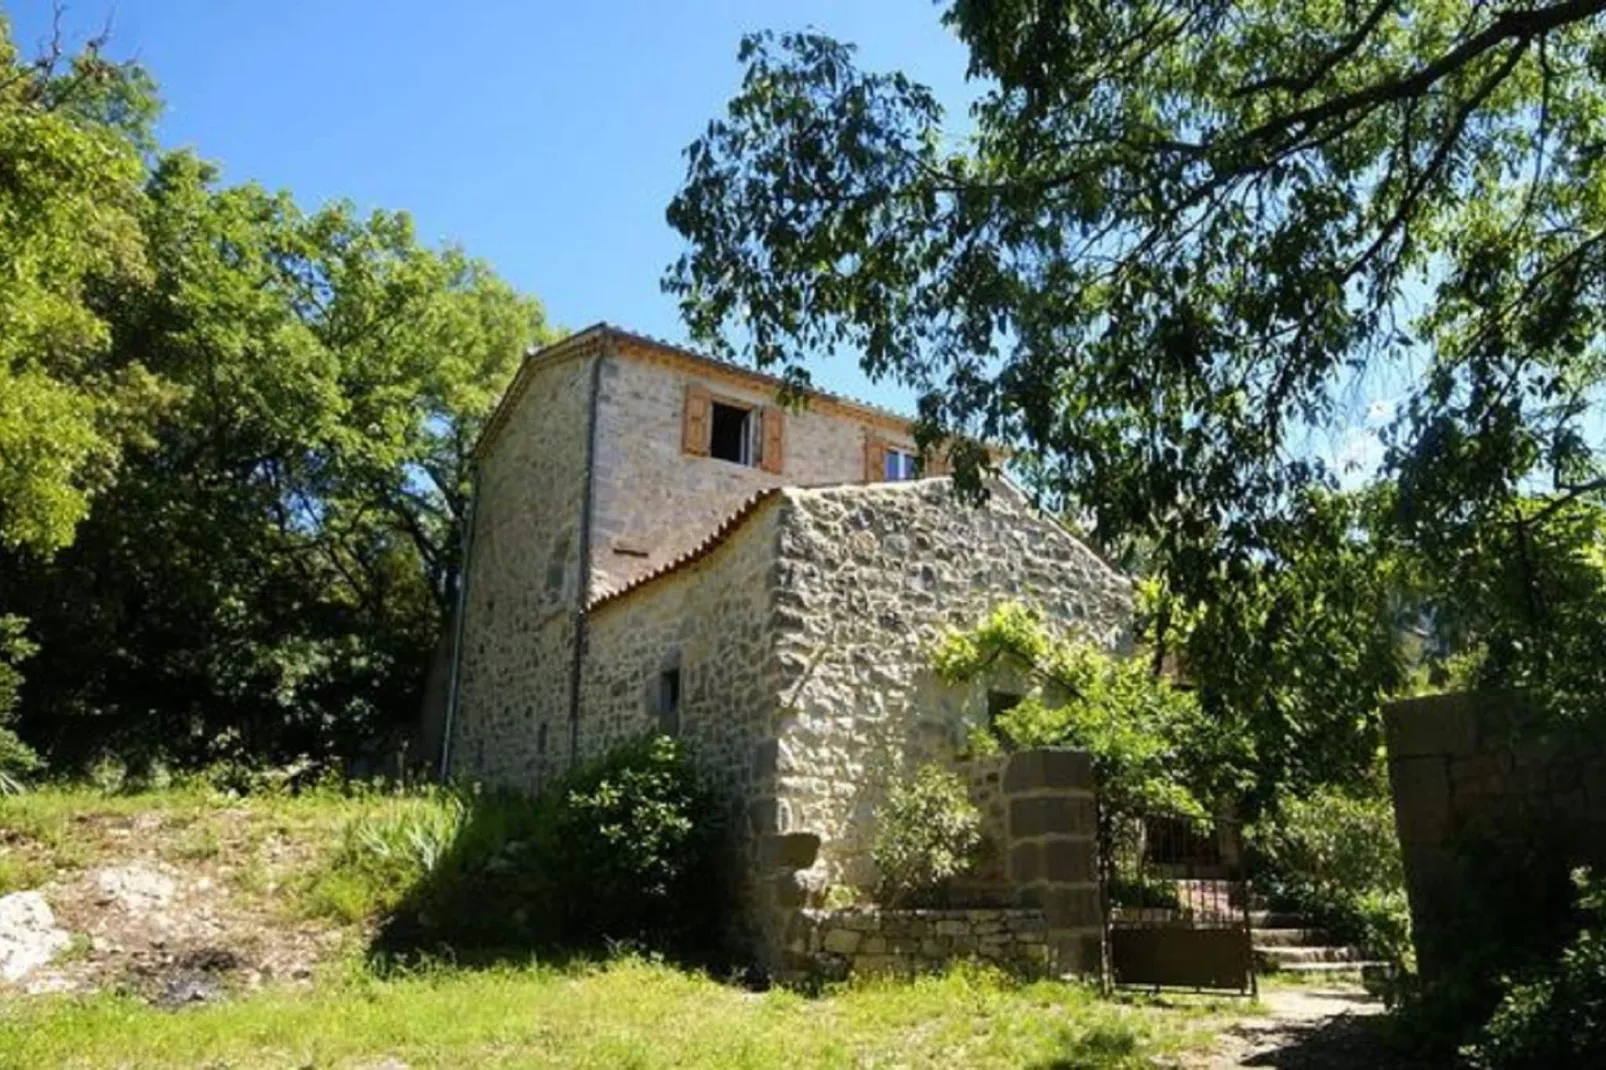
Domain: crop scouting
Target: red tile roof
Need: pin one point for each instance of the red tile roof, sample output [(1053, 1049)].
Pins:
[(707, 545)]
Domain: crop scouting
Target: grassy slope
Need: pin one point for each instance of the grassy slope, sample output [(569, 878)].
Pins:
[(625, 1013)]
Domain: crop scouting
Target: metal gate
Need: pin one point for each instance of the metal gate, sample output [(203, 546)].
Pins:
[(1176, 902)]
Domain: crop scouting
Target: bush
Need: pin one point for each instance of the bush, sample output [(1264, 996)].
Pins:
[(628, 847), (635, 847), (929, 833), (1555, 1017), (1334, 856)]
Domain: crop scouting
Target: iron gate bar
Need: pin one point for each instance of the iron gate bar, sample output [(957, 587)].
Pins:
[(1176, 903)]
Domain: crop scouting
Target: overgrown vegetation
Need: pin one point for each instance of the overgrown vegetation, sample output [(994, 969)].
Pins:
[(1152, 748), (927, 833), (1334, 857), (1554, 1014), (629, 848)]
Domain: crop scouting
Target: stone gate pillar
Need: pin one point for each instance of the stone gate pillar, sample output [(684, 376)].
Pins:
[(1051, 846)]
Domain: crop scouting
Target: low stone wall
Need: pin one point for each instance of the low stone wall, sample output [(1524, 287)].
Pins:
[(876, 941), (1482, 806)]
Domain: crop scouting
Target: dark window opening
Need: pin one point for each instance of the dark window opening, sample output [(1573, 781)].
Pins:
[(540, 740), (998, 704), (731, 437), (669, 702)]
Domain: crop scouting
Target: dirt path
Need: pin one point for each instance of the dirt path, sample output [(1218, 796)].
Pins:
[(1333, 1026)]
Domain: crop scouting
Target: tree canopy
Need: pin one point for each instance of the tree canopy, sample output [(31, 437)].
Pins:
[(1176, 241), (234, 439)]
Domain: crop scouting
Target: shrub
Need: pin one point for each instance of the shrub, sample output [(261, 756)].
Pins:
[(1335, 857), (635, 847), (626, 848), (929, 833), (1555, 1017), (17, 759)]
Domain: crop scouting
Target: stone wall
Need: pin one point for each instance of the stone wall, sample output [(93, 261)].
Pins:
[(870, 577), (711, 622), (651, 497), (511, 725), (1481, 806), (1050, 921), (871, 941)]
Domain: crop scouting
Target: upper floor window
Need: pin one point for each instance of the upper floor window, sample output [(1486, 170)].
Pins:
[(885, 461), (732, 434), (731, 430), (898, 464)]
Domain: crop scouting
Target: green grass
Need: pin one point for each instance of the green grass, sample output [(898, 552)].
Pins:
[(59, 829), (350, 857), (628, 1013)]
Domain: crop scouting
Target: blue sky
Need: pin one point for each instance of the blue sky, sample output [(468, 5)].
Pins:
[(544, 137)]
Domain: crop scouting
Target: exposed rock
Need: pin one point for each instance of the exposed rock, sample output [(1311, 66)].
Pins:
[(29, 937), (136, 887)]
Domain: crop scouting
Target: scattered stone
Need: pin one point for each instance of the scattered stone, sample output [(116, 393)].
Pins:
[(29, 936), (135, 887), (189, 989)]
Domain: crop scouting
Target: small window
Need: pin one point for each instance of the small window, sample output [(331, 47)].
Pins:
[(998, 704), (540, 740), (734, 434), (669, 702), (900, 465)]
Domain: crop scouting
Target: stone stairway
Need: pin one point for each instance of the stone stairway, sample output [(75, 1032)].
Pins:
[(1286, 943)]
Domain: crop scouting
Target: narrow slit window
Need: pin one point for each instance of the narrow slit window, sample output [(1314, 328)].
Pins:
[(669, 702), (733, 434)]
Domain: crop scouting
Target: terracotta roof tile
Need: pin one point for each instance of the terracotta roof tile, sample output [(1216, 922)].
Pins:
[(707, 545)]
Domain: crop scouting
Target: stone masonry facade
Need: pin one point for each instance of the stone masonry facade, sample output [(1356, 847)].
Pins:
[(618, 584)]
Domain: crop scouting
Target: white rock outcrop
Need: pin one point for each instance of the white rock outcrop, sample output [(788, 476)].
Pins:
[(29, 936)]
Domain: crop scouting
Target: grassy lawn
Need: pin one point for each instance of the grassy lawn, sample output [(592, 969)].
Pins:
[(628, 1013), (268, 871)]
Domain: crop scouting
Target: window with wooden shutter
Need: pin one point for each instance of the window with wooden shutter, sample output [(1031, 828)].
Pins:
[(694, 429), (772, 453), (874, 457)]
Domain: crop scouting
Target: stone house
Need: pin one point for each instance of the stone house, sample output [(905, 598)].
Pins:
[(657, 544)]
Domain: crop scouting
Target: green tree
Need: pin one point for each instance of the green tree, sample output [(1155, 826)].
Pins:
[(71, 128), (1176, 241), (69, 230), (267, 575)]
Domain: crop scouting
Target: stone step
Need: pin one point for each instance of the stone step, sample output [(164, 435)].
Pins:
[(1328, 971), (1291, 938), (1282, 957), (1261, 918)]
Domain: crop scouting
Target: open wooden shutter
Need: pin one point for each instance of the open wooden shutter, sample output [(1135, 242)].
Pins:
[(772, 453), (694, 426), (875, 458), (935, 463)]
